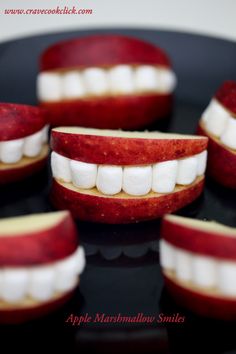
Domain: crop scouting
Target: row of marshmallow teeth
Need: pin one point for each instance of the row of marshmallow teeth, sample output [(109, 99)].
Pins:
[(12, 151), (219, 122), (202, 271), (134, 180), (41, 282), (122, 79)]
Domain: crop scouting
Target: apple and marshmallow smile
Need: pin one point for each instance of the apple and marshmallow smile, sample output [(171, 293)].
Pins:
[(221, 123), (41, 283), (55, 86), (161, 177), (12, 151)]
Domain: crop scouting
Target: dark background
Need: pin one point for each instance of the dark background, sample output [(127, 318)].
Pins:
[(123, 273)]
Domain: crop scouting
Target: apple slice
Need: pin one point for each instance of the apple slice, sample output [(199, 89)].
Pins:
[(105, 81), (120, 177), (93, 206), (218, 123), (123, 148), (198, 271), (23, 141), (40, 261)]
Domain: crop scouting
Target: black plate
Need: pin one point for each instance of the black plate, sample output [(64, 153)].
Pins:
[(123, 273)]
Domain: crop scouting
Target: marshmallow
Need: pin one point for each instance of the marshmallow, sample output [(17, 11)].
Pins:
[(164, 176), (49, 87), (83, 174), (183, 267), (137, 180), (73, 85), (11, 151), (96, 81), (227, 278), (41, 284), (166, 80), (201, 163), (33, 144), (228, 136), (14, 284), (66, 273), (167, 255), (146, 78), (60, 167), (121, 79), (109, 179), (204, 271), (187, 170), (215, 117)]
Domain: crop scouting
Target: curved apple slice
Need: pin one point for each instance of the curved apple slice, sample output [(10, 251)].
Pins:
[(109, 81), (24, 168), (18, 121), (40, 264), (123, 148), (101, 50), (93, 206), (198, 271)]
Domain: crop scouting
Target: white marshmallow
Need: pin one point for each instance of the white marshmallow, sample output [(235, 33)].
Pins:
[(42, 282), (227, 278), (228, 136), (121, 79), (66, 273), (187, 170), (83, 174), (33, 144), (80, 257), (204, 271), (49, 87), (166, 80), (167, 255), (201, 163), (183, 267), (215, 117), (11, 151), (73, 85), (164, 176), (60, 167), (14, 284), (137, 180), (45, 134), (146, 78), (109, 179), (96, 81)]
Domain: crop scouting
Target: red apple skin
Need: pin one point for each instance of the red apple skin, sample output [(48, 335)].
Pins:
[(123, 151), (122, 210), (199, 241), (17, 121), (204, 305), (39, 247), (24, 314), (15, 173), (101, 50), (126, 112), (221, 161), (226, 95)]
